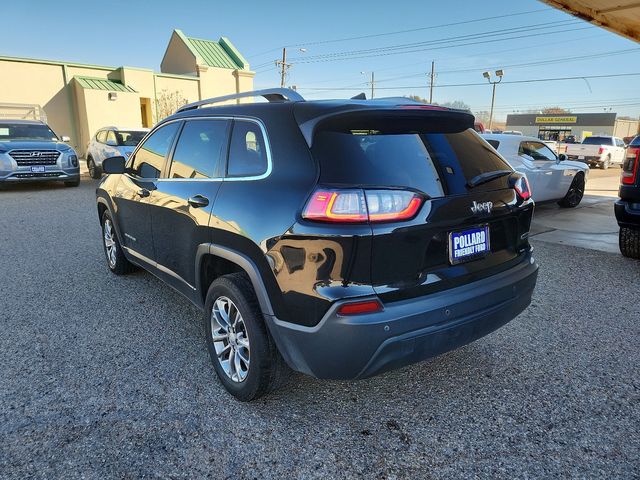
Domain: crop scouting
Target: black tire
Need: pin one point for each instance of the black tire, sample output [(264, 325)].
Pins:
[(607, 163), (629, 241), (72, 183), (575, 193), (94, 171), (266, 369), (118, 264)]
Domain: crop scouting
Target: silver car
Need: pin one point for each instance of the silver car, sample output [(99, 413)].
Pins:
[(111, 142), (552, 177), (31, 152)]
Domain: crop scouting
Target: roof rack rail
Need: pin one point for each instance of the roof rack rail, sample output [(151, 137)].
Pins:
[(271, 94)]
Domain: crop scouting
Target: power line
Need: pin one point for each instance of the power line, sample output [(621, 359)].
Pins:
[(519, 65), (398, 32), (478, 42), (450, 39), (535, 80)]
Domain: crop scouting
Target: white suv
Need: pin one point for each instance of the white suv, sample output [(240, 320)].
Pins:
[(111, 142)]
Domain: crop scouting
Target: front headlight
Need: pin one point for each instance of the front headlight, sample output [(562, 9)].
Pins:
[(73, 160)]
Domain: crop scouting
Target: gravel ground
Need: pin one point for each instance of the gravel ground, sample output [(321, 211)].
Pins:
[(104, 376)]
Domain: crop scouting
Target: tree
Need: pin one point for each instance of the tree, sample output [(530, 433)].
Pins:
[(483, 117), (457, 104), (167, 103), (554, 110)]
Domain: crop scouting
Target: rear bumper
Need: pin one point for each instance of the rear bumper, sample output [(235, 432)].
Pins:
[(407, 331), (626, 215)]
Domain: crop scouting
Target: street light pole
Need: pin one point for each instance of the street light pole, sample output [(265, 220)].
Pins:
[(493, 100), (487, 75)]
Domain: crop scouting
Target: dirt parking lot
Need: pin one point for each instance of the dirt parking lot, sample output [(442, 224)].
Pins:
[(109, 376)]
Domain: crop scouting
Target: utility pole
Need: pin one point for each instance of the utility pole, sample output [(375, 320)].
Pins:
[(432, 77), (373, 82), (284, 66)]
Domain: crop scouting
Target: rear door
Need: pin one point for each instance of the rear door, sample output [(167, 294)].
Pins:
[(469, 203), (135, 192), (184, 197)]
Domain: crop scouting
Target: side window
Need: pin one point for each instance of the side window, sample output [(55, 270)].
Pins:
[(247, 152), (200, 148), (537, 151), (619, 142), (111, 138), (101, 136), (149, 158)]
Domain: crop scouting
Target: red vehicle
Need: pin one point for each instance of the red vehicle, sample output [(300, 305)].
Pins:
[(479, 127)]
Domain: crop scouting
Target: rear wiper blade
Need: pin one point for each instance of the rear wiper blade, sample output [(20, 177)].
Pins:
[(487, 176)]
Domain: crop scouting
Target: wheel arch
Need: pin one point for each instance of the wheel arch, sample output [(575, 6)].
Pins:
[(226, 260)]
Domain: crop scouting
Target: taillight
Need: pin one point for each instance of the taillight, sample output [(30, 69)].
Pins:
[(357, 205), (522, 188), (630, 167), (360, 307), (600, 150)]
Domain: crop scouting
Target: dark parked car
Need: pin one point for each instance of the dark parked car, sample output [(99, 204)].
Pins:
[(339, 238), (627, 208)]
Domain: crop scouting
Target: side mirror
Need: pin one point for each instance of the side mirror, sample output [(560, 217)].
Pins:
[(113, 165), (562, 157), (65, 138)]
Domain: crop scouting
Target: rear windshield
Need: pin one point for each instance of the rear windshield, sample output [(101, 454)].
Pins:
[(129, 138), (415, 161), (597, 141)]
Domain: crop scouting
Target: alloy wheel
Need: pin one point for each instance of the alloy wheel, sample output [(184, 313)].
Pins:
[(230, 339), (92, 168), (110, 243), (576, 191)]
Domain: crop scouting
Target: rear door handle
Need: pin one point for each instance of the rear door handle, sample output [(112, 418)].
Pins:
[(198, 201), (143, 192)]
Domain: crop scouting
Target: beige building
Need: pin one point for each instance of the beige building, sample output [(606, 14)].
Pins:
[(78, 99)]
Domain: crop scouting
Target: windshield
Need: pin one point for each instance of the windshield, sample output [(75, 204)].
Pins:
[(597, 141), (129, 138), (25, 131), (635, 142)]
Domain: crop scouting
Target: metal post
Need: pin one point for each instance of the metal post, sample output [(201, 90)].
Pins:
[(433, 64), (284, 67), (372, 83), (493, 99)]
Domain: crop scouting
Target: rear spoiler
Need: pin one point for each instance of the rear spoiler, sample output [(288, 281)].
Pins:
[(410, 118)]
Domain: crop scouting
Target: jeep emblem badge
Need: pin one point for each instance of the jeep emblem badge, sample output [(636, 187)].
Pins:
[(481, 207)]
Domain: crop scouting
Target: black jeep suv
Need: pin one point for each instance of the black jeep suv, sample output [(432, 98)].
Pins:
[(627, 208), (338, 238)]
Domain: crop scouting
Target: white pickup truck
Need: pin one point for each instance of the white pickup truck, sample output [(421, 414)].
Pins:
[(598, 150)]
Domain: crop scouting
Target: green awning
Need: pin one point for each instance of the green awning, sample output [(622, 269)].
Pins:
[(94, 83)]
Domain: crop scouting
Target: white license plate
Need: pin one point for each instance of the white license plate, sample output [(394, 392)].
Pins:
[(580, 157), (37, 169), (468, 244)]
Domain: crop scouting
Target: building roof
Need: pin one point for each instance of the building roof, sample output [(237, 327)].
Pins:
[(220, 54), (622, 18), (94, 83)]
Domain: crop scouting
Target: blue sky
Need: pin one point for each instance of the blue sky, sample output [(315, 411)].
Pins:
[(136, 33)]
